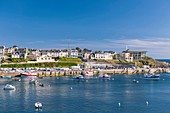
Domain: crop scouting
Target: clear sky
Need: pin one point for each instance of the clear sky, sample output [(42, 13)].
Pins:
[(93, 24)]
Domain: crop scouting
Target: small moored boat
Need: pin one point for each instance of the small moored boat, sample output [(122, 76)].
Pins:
[(105, 76), (78, 77), (9, 87), (151, 76), (88, 74), (5, 76), (38, 105)]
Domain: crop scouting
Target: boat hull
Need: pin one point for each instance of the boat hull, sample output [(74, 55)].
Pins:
[(5, 76), (24, 75), (9, 87), (89, 74), (150, 76)]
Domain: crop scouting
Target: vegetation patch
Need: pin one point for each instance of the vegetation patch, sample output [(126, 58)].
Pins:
[(78, 60), (41, 65)]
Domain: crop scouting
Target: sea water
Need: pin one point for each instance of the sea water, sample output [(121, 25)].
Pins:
[(164, 60), (120, 94)]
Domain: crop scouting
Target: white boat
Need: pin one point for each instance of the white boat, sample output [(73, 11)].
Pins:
[(9, 87), (78, 77), (89, 73), (151, 76), (105, 76), (38, 105)]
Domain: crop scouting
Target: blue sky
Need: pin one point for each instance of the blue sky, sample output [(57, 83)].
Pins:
[(93, 24)]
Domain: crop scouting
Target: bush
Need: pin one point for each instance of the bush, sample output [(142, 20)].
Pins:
[(16, 60), (42, 65), (70, 59), (139, 64)]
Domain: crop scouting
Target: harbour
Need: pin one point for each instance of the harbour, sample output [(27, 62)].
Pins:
[(94, 95), (84, 56)]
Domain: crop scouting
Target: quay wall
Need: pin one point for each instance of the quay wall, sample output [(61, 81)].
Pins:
[(96, 72)]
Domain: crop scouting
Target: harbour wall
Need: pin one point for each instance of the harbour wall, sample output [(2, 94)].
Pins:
[(96, 72)]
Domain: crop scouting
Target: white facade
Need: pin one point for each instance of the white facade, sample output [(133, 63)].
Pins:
[(127, 57), (53, 54), (87, 55), (15, 55), (45, 58), (9, 50), (104, 56), (36, 52), (2, 50), (23, 52), (58, 54), (63, 54), (74, 53)]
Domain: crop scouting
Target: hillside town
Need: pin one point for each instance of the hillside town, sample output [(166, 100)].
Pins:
[(40, 55)]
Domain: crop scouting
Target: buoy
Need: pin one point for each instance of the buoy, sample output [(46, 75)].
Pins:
[(38, 105), (71, 88), (119, 104), (147, 102)]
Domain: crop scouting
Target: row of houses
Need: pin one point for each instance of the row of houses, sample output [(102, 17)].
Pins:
[(47, 55)]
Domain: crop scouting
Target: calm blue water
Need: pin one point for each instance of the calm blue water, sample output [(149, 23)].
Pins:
[(164, 60), (64, 95)]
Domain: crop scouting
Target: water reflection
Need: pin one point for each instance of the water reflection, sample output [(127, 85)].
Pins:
[(38, 110), (89, 95)]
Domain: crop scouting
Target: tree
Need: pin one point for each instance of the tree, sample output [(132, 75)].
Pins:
[(85, 50), (15, 46), (78, 49)]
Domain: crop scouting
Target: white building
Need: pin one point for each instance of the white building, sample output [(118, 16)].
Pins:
[(130, 56), (127, 57), (57, 53), (87, 55), (15, 55), (103, 56), (63, 53), (74, 53), (53, 53), (23, 52), (9, 50), (2, 51), (44, 58), (35, 52)]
